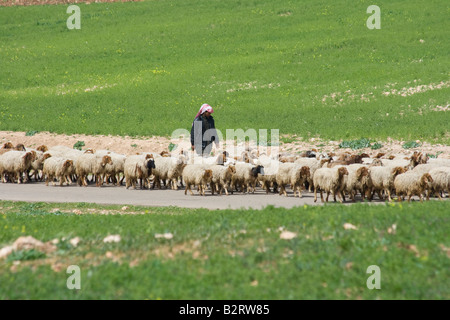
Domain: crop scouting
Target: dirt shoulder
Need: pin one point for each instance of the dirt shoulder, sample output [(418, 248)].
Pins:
[(132, 145)]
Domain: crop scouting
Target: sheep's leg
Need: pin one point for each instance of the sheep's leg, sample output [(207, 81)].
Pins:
[(190, 190), (389, 194), (275, 187), (321, 196), (315, 194), (409, 196), (342, 196), (420, 196), (379, 195), (213, 186), (328, 194), (352, 195)]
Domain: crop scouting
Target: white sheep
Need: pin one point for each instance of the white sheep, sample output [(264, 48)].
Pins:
[(283, 176), (138, 167), (91, 163), (269, 178), (116, 168), (57, 167), (197, 175), (383, 180), (299, 175), (246, 177), (221, 177), (168, 168), (313, 164), (441, 180), (411, 183), (358, 180), (15, 163), (329, 180)]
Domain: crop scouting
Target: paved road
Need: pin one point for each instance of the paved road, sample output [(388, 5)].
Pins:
[(35, 192)]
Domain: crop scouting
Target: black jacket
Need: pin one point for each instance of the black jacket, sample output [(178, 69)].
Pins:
[(198, 135)]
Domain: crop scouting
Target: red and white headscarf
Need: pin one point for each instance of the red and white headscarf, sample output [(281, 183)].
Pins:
[(205, 107)]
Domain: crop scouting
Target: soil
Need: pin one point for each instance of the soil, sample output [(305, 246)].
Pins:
[(132, 145)]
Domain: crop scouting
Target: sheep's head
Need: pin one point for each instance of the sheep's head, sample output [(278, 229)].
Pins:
[(256, 170), (398, 170), (426, 178), (323, 161), (46, 156), (232, 169), (164, 154), (415, 159), (208, 175), (92, 151), (68, 164), (221, 159), (28, 157), (376, 163), (423, 159), (342, 171), (150, 165), (106, 160), (20, 147), (42, 148), (148, 156), (305, 172), (379, 155), (8, 145), (362, 172)]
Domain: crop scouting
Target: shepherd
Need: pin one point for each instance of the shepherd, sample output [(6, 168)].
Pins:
[(203, 131)]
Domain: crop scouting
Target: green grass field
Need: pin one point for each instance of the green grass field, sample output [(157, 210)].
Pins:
[(227, 254), (145, 68)]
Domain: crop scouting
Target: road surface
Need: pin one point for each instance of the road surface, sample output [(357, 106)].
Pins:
[(38, 192)]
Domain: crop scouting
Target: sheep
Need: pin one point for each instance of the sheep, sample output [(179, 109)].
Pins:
[(411, 183), (358, 179), (57, 167), (197, 175), (169, 168), (15, 163), (114, 170), (299, 175), (38, 164), (221, 177), (91, 163), (329, 180), (283, 176), (246, 176), (8, 146), (269, 178), (426, 168), (383, 180), (441, 180), (313, 165), (138, 167)]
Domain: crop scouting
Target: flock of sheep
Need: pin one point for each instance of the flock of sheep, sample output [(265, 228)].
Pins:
[(341, 175)]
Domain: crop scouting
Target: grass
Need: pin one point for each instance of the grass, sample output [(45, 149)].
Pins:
[(226, 254), (309, 68)]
